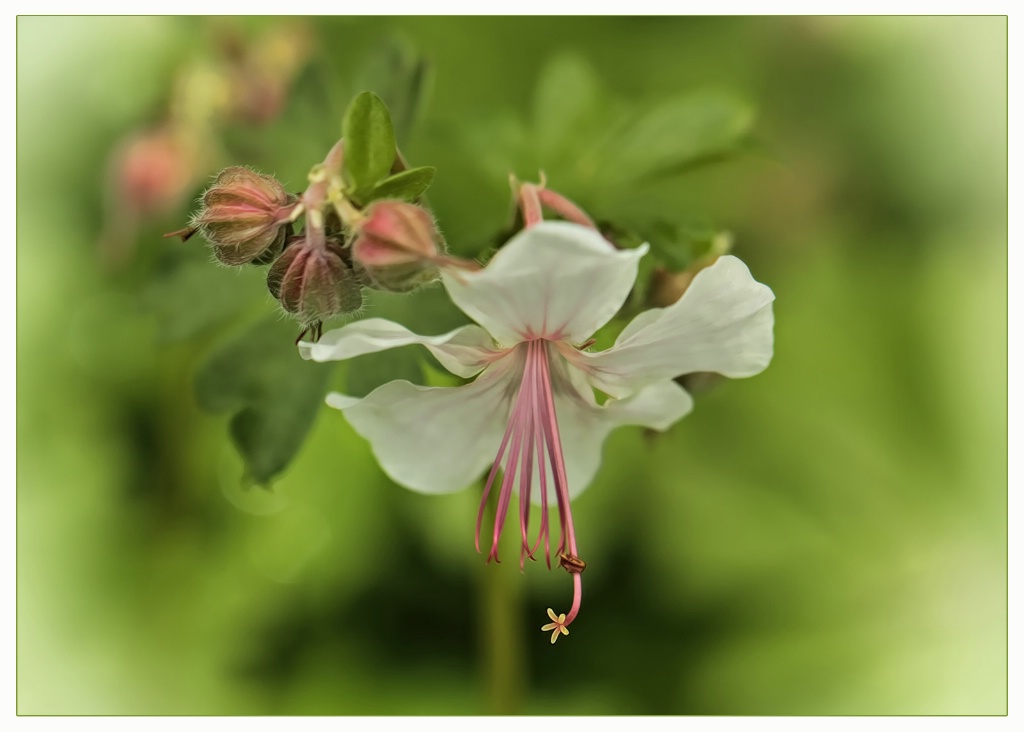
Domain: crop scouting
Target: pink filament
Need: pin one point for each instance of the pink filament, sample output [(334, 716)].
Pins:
[(529, 203), (532, 432), (565, 208)]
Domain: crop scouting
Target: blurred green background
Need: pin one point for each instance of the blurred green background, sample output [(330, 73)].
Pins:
[(826, 538)]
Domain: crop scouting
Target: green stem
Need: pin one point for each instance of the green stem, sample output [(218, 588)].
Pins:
[(502, 642), (502, 661)]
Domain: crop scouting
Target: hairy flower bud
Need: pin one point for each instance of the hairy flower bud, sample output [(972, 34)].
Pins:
[(245, 216), (313, 282), (396, 245)]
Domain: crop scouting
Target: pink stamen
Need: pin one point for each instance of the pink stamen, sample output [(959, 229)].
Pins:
[(565, 208), (490, 481), (554, 443), (532, 433), (507, 481), (529, 202), (525, 490), (545, 530)]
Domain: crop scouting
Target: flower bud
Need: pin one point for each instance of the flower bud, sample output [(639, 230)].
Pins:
[(313, 282), (150, 174), (245, 216), (396, 245), (152, 171)]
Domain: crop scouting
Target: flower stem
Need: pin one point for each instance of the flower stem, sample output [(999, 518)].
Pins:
[(501, 641)]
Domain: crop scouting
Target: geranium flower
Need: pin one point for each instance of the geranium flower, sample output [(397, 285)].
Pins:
[(531, 412)]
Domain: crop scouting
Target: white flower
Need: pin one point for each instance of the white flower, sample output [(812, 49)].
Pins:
[(531, 411)]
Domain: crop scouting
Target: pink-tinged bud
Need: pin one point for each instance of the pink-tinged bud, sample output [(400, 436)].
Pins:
[(245, 216), (397, 245), (152, 171), (150, 174), (313, 282)]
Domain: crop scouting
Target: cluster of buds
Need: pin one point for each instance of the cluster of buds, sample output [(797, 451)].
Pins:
[(319, 273), (152, 171)]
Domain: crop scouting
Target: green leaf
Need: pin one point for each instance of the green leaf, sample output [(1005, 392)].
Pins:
[(273, 393), (190, 297), (676, 246), (368, 372), (407, 185), (641, 288), (567, 106), (369, 142), (680, 133), (401, 77)]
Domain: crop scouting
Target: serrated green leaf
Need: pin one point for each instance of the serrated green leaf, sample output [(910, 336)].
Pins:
[(407, 185), (369, 142), (273, 393), (678, 134)]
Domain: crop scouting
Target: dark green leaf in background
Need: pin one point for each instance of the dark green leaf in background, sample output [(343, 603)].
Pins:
[(189, 298), (368, 372), (272, 392), (680, 133), (567, 104), (401, 78)]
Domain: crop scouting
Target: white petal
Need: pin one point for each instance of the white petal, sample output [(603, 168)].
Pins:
[(584, 425), (722, 323), (464, 351), (432, 439), (556, 280)]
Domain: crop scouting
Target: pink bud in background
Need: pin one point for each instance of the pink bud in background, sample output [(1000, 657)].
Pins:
[(153, 171), (149, 175)]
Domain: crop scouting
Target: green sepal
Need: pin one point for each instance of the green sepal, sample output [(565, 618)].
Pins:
[(408, 185)]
